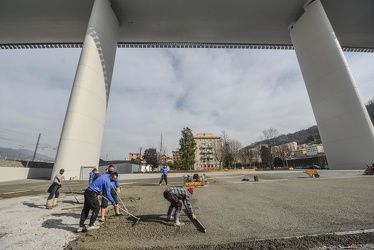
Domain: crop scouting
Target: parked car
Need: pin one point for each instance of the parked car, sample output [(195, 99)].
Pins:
[(314, 167)]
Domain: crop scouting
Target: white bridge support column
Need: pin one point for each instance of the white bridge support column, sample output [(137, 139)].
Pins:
[(344, 124), (83, 129)]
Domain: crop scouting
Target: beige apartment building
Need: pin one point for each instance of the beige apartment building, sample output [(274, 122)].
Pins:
[(206, 146), (314, 149), (134, 156)]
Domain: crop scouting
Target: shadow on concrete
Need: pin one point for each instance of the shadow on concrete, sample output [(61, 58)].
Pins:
[(57, 223), (73, 215), (155, 218), (33, 205), (72, 202)]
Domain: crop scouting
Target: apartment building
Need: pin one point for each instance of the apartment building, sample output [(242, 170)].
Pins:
[(134, 156), (206, 144), (314, 149)]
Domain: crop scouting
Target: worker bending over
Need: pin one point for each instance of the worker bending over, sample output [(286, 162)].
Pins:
[(177, 195)]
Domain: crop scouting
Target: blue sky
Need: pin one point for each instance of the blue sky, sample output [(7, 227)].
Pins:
[(161, 91)]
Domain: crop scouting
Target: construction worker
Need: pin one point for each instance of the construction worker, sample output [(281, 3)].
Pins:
[(91, 201), (177, 195), (53, 190), (164, 175), (94, 174), (114, 190)]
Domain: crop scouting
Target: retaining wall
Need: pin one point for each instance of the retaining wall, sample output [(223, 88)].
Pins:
[(20, 173)]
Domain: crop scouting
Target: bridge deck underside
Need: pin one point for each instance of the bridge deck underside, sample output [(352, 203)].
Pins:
[(166, 22)]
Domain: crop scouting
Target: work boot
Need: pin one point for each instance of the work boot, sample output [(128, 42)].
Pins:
[(170, 213), (81, 229), (92, 227), (177, 223)]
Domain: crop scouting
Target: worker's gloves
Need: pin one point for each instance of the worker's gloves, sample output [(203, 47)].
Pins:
[(118, 190)]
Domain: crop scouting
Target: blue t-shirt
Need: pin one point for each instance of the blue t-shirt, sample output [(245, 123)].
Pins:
[(92, 175), (164, 170), (102, 184)]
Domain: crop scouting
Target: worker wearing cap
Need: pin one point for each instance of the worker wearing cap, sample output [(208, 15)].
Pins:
[(91, 201), (177, 195), (53, 190)]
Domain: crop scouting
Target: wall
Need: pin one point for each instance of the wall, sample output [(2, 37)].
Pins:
[(17, 173)]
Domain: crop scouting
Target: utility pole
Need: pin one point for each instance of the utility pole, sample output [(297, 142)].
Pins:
[(36, 147)]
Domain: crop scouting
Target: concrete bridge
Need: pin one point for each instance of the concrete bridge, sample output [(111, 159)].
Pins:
[(318, 31)]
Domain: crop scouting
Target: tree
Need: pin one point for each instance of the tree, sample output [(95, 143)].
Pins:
[(229, 160), (227, 152), (266, 156), (233, 150), (187, 149), (269, 135), (150, 156), (226, 157), (218, 153), (278, 162), (247, 155)]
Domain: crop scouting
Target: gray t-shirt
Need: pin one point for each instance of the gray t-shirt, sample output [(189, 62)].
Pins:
[(58, 176)]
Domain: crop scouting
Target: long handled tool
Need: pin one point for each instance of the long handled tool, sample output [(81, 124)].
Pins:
[(71, 191), (127, 212), (123, 204), (195, 221), (125, 208)]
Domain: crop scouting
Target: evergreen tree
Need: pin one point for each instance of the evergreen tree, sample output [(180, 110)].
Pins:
[(266, 157), (187, 149)]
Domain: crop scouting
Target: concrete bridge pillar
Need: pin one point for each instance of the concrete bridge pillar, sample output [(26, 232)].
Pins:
[(344, 124), (83, 128)]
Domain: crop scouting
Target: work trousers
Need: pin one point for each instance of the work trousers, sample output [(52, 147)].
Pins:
[(53, 191), (164, 177), (104, 202), (91, 202), (174, 201)]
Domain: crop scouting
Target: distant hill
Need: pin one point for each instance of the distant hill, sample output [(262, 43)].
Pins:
[(310, 134), (23, 154)]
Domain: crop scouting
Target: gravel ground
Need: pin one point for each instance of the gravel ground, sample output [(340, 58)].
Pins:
[(283, 210)]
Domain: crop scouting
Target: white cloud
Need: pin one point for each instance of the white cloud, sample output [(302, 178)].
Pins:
[(162, 91)]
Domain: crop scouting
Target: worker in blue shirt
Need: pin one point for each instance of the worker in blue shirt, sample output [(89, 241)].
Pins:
[(164, 175), (94, 174), (114, 190), (91, 201)]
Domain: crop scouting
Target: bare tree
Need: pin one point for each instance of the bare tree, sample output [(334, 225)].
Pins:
[(247, 155), (233, 148), (268, 135), (217, 153)]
